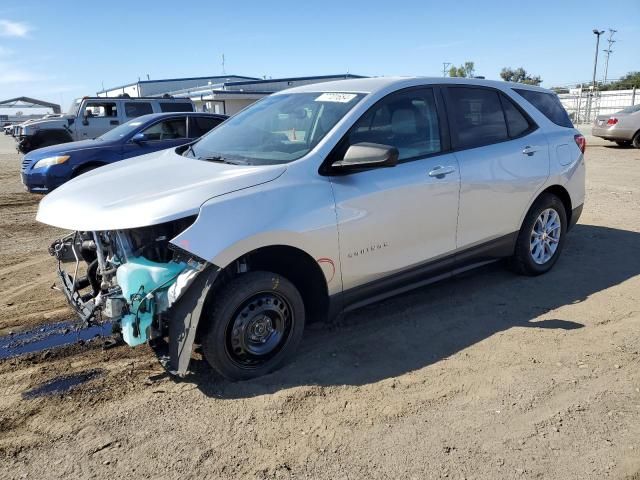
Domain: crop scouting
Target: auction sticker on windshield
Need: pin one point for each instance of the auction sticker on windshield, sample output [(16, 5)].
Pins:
[(336, 97)]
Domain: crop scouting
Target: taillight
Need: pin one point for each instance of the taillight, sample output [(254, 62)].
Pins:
[(581, 142), (612, 121)]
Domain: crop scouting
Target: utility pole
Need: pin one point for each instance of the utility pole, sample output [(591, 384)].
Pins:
[(608, 51), (445, 67), (597, 33), (223, 70)]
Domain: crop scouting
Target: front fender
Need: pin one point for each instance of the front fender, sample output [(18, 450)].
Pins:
[(283, 212)]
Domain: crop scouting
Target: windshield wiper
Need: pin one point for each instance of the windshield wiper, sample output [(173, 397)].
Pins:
[(222, 159)]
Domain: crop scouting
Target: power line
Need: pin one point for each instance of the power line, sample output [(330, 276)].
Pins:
[(445, 67)]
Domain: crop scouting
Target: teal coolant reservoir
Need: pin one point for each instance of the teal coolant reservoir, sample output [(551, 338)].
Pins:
[(137, 278)]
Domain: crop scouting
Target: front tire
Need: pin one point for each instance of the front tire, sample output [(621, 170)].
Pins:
[(254, 325), (541, 237), (636, 140)]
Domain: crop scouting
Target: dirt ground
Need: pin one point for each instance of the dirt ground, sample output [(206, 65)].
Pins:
[(487, 376)]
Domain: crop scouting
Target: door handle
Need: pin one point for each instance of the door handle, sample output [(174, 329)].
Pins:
[(114, 122), (440, 171), (529, 150)]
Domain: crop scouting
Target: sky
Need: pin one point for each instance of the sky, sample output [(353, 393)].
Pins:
[(59, 50)]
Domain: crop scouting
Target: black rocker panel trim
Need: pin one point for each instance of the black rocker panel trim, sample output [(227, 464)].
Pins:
[(421, 275)]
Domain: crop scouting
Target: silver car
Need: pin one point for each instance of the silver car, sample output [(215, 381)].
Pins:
[(312, 202), (622, 127)]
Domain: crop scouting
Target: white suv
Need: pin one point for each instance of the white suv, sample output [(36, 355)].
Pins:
[(90, 117), (315, 201)]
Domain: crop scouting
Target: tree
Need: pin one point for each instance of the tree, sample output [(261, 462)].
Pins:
[(519, 75), (626, 82), (467, 70)]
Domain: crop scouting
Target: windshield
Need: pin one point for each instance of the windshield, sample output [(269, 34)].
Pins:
[(631, 109), (121, 131), (277, 129), (73, 108)]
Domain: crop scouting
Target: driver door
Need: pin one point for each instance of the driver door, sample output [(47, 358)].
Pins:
[(167, 133), (393, 222), (98, 117)]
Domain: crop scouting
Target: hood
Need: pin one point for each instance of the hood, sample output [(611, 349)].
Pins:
[(146, 190), (65, 148), (54, 120)]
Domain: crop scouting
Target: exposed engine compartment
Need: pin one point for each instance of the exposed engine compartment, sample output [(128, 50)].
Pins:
[(130, 276)]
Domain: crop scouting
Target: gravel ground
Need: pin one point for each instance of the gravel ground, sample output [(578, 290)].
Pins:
[(487, 376)]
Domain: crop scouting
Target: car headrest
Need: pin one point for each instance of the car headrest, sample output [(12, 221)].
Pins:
[(403, 122)]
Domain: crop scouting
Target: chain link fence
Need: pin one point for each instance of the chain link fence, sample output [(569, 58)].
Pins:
[(584, 105)]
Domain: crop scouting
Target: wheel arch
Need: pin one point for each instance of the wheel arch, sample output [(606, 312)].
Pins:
[(84, 167), (559, 191), (563, 194), (296, 265)]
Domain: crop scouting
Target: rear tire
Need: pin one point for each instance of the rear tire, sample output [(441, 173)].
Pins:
[(254, 325), (541, 237), (636, 140)]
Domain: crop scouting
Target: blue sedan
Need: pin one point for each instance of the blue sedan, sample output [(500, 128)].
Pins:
[(47, 168)]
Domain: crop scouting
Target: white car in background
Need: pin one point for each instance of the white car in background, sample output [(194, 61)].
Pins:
[(312, 202)]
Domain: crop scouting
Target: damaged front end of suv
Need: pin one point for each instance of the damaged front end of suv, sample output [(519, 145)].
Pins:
[(151, 290)]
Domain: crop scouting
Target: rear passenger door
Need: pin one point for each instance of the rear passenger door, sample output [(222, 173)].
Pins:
[(198, 126), (137, 109), (503, 158)]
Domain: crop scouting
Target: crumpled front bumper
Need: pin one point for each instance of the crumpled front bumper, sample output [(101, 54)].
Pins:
[(174, 330)]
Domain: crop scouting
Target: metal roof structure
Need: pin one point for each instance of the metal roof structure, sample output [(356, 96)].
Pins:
[(161, 80), (27, 102)]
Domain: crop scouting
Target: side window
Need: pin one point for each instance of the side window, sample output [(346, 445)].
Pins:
[(478, 116), (167, 130), (176, 107), (549, 104), (198, 126), (101, 109), (405, 120), (517, 123), (136, 109)]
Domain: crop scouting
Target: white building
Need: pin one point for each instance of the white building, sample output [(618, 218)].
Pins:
[(224, 94)]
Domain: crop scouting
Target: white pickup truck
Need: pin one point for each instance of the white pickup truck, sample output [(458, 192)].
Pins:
[(90, 117)]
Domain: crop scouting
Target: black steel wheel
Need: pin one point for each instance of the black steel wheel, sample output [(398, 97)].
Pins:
[(255, 324)]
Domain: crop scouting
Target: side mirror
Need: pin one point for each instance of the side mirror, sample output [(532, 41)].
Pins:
[(139, 138), (367, 155), (85, 118)]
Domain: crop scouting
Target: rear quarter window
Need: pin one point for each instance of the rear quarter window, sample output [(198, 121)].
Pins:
[(176, 107), (548, 104)]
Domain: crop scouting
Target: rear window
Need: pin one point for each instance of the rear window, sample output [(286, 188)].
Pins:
[(176, 107), (631, 109), (549, 104), (137, 109)]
